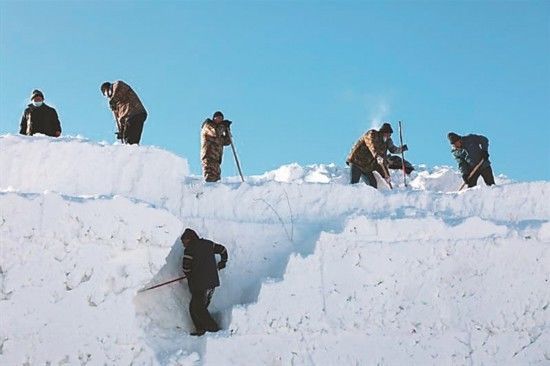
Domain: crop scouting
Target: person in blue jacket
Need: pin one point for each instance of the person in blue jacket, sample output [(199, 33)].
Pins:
[(469, 151)]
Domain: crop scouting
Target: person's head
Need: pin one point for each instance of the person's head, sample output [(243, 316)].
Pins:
[(386, 131), (106, 89), (37, 98), (455, 140), (188, 236), (217, 117)]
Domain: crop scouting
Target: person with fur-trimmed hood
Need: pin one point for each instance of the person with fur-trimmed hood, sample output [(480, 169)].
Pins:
[(215, 134), (469, 151), (369, 154), (201, 270), (39, 117), (129, 112)]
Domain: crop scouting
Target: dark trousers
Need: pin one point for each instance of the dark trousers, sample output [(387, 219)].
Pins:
[(486, 174), (367, 177), (198, 308), (133, 128)]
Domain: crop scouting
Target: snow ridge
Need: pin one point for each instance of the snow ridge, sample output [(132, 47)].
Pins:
[(342, 273)]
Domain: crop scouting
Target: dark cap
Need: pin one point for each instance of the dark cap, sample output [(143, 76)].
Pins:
[(453, 137), (386, 128), (189, 234), (36, 93), (216, 114)]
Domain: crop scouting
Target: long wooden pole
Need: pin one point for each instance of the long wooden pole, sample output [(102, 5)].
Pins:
[(472, 173), (402, 155), (162, 284)]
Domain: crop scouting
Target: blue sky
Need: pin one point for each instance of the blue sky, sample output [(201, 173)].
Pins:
[(301, 80)]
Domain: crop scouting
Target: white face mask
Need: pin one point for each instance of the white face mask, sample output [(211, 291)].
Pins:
[(37, 104)]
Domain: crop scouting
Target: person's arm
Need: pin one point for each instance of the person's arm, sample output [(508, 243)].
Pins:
[(23, 125), (226, 135), (57, 123), (392, 148), (377, 149), (464, 162), (117, 89), (187, 261), (222, 251), (370, 139)]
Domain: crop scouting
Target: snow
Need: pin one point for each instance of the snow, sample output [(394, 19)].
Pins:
[(320, 272)]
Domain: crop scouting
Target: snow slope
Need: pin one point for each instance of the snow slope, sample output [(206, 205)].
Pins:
[(320, 272)]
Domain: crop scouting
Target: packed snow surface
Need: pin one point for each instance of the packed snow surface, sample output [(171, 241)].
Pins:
[(320, 272)]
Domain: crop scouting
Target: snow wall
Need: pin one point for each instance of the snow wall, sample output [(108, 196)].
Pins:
[(320, 272)]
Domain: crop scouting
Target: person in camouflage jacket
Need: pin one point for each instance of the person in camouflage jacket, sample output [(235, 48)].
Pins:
[(369, 154), (129, 112), (468, 151), (215, 134)]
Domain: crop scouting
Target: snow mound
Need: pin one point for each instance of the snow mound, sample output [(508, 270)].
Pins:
[(320, 272), (76, 166)]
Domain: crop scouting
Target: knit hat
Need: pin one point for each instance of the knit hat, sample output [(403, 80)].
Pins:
[(189, 234), (453, 137), (216, 114), (386, 128), (36, 93)]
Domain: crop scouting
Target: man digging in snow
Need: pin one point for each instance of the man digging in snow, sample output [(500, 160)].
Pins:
[(215, 134), (369, 154), (130, 114), (469, 151), (199, 265)]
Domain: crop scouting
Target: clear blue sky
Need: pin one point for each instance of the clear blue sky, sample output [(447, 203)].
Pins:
[(301, 80)]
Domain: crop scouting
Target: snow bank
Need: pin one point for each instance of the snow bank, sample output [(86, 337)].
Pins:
[(69, 271), (76, 166), (400, 292), (320, 271)]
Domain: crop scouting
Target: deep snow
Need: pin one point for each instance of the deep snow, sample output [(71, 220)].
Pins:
[(320, 272)]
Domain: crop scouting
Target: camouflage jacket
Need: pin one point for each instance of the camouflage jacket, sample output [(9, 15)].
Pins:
[(214, 136), (371, 145), (124, 103)]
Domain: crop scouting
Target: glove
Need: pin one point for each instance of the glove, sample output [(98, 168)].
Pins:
[(485, 154), (404, 148), (118, 135), (380, 160), (221, 265)]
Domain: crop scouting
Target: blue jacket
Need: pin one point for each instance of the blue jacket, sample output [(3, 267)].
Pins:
[(469, 155)]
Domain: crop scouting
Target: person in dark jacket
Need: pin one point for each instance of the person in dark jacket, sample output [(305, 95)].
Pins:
[(199, 265), (129, 112), (469, 151), (39, 117)]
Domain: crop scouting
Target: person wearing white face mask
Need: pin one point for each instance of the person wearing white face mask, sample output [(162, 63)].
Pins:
[(39, 117)]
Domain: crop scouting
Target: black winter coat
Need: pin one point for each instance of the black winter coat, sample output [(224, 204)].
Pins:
[(470, 154), (43, 119), (199, 264)]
